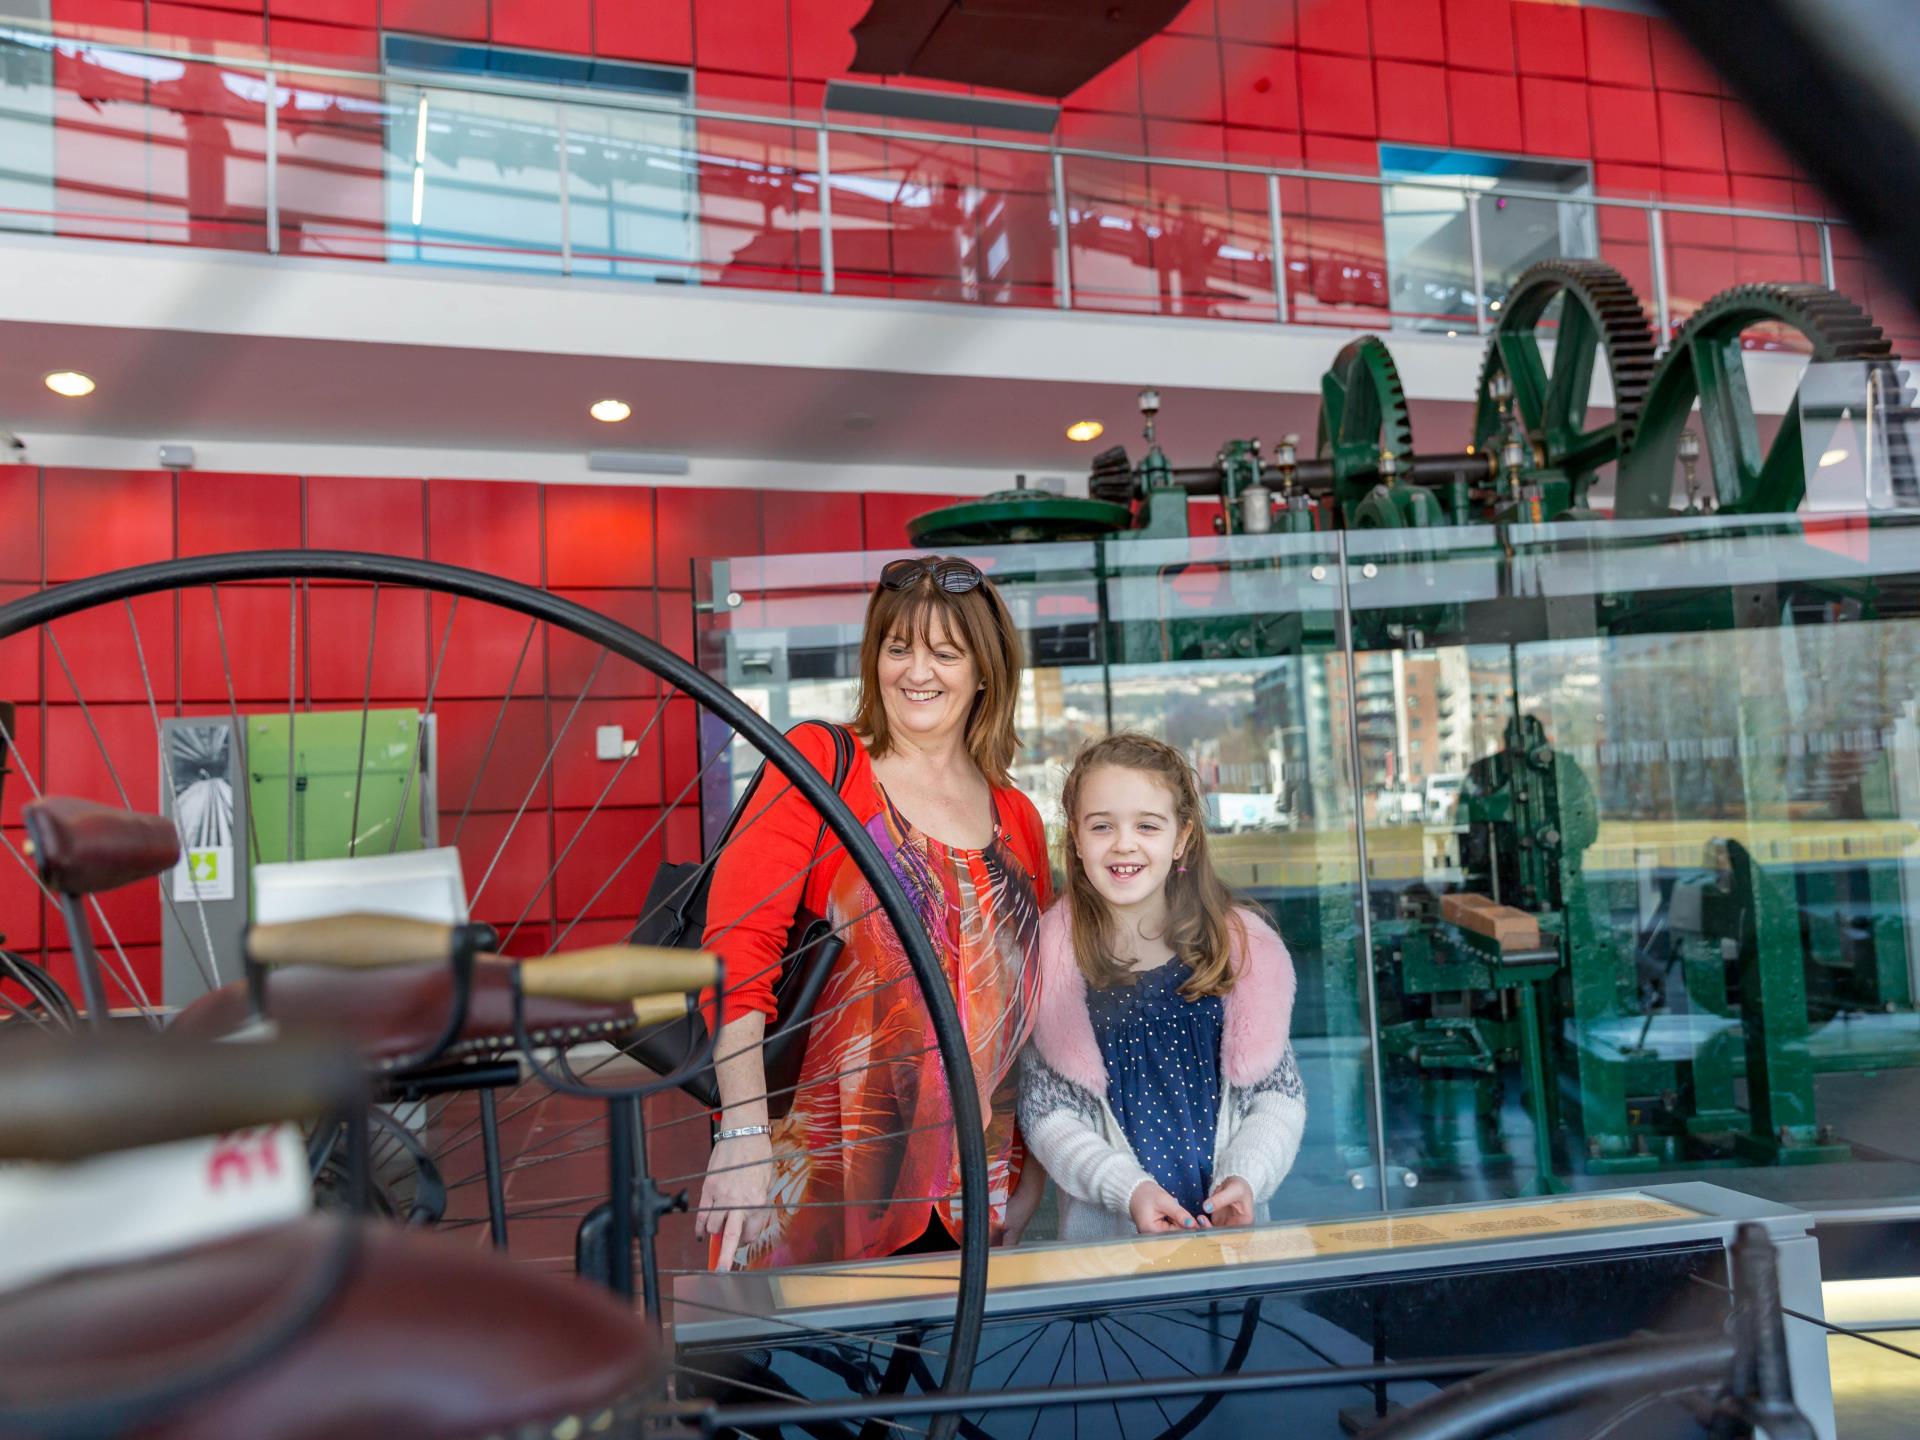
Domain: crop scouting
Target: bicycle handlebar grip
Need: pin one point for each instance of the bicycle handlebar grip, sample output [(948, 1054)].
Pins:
[(61, 1102), (610, 974), (82, 847), (357, 941)]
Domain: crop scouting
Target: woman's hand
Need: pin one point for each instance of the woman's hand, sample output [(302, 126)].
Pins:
[(733, 1201), (1154, 1211), (1231, 1202)]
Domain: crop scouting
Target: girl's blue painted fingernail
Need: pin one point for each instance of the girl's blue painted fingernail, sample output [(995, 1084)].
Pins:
[(1188, 1222), (1208, 1207)]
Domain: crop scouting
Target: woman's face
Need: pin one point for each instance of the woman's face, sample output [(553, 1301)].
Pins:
[(928, 686)]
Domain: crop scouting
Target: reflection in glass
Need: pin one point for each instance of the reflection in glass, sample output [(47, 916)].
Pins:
[(1222, 647), (1429, 237)]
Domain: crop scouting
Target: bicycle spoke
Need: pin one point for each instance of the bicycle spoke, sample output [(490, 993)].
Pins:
[(210, 967), (581, 830), (499, 719), (539, 775), (420, 727), (233, 715), (130, 986), (366, 704)]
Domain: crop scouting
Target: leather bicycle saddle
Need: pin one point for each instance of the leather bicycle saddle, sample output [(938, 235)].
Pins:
[(427, 1338)]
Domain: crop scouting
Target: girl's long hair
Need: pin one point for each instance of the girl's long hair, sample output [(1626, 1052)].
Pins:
[(1201, 925)]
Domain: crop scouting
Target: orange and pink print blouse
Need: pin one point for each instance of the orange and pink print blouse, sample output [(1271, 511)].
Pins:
[(865, 1160)]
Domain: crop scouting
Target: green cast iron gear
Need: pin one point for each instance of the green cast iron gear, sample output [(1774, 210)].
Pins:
[(1397, 507), (1010, 517), (1599, 313), (1363, 411), (1705, 364)]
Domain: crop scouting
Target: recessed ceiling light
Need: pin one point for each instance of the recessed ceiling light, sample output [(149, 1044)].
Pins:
[(1493, 305), (1085, 430), (611, 411), (1453, 334), (1832, 458), (70, 383)]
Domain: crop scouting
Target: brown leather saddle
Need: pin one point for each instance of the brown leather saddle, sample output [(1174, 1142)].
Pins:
[(427, 1339)]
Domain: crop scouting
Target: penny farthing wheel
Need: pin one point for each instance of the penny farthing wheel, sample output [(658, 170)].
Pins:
[(348, 723)]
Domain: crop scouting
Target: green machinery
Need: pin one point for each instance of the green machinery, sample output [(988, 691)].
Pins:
[(1704, 1051)]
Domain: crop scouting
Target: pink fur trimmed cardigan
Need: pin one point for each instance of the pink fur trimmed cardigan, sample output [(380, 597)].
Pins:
[(1071, 1130)]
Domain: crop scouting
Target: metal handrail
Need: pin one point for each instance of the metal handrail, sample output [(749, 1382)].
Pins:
[(281, 79)]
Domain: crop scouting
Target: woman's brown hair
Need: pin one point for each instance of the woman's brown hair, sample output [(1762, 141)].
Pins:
[(976, 621), (1201, 925)]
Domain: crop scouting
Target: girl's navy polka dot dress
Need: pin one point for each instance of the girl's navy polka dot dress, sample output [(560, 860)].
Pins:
[(1163, 1075)]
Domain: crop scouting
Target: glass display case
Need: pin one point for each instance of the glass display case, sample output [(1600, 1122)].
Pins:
[(1594, 842)]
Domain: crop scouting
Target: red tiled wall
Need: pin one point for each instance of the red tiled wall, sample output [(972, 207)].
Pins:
[(1273, 81), (625, 552)]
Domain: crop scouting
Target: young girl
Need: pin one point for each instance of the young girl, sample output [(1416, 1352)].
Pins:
[(1159, 1090)]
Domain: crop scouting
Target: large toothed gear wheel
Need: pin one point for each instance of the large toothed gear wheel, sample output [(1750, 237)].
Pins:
[(1599, 315), (1363, 412), (1705, 364)]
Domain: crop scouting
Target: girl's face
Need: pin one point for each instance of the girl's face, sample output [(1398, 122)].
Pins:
[(1128, 835), (927, 686)]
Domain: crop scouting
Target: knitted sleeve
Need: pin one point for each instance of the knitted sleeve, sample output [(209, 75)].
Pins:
[(758, 884), (1269, 1117), (1061, 1124)]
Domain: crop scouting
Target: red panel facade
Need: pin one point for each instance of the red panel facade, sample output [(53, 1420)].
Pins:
[(595, 546)]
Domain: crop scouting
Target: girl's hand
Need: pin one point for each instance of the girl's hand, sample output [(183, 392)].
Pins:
[(1154, 1211), (1023, 1202), (1231, 1202), (733, 1201)]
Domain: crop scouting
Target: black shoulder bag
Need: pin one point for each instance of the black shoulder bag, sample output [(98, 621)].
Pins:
[(675, 915)]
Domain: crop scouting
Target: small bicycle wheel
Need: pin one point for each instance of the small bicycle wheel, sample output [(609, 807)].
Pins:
[(333, 730)]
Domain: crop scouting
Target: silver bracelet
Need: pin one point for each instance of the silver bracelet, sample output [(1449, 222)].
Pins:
[(743, 1131)]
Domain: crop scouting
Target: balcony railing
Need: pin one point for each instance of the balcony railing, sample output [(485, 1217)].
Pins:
[(134, 142)]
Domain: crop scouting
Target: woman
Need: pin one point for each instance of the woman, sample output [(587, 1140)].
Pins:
[(864, 1164)]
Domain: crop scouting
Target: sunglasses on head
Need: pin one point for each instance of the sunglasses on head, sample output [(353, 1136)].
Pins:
[(956, 577)]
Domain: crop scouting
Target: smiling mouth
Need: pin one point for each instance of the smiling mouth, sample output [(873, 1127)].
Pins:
[(1124, 872), (921, 697)]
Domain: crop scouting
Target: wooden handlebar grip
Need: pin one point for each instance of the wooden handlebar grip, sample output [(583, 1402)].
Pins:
[(611, 974), (351, 942), (657, 1009)]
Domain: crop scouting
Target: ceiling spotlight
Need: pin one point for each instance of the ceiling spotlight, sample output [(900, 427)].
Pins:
[(1453, 334), (1085, 430), (1493, 305), (611, 411), (1832, 458), (70, 383)]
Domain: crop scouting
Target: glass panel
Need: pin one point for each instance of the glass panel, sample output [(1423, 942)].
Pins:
[(472, 179), (27, 137), (206, 153), (1658, 925), (934, 220), (759, 205), (631, 194), (1169, 240), (1336, 253), (331, 170), (1224, 647), (1429, 229), (101, 153)]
